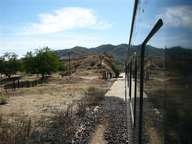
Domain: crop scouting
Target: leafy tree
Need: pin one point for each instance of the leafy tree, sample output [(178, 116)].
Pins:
[(1, 66), (116, 68), (9, 64), (46, 61), (62, 67), (29, 63), (43, 61)]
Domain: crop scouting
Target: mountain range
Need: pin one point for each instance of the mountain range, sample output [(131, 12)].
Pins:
[(119, 52)]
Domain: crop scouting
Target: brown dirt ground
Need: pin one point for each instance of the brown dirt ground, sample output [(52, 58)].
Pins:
[(41, 100), (98, 136)]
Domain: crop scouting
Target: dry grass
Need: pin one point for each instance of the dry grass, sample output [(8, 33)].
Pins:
[(20, 130), (37, 114), (59, 128), (15, 130)]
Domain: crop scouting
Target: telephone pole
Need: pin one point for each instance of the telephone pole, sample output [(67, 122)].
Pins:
[(69, 63)]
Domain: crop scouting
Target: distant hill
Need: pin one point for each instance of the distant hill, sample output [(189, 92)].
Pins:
[(119, 52), (179, 60), (75, 52)]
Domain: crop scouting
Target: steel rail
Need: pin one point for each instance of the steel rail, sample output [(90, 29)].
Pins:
[(154, 30), (132, 27)]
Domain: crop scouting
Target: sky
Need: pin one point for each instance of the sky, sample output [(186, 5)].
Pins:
[(26, 25), (31, 24), (177, 27)]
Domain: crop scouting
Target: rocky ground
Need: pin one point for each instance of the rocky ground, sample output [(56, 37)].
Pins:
[(116, 132), (78, 124), (83, 125)]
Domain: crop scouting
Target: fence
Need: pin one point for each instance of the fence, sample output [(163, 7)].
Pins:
[(135, 73), (25, 84)]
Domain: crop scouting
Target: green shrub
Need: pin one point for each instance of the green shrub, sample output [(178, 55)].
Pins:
[(3, 99), (95, 95)]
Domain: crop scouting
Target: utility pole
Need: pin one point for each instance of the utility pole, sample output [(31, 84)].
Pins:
[(69, 63)]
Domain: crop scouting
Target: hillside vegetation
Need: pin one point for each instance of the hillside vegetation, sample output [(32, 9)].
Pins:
[(119, 52)]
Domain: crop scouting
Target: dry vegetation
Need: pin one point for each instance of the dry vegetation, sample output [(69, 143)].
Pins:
[(37, 114), (169, 115), (92, 65), (3, 99)]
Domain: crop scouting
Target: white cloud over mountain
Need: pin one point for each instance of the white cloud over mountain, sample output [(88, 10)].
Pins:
[(67, 19)]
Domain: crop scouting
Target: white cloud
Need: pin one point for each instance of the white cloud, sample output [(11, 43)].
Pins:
[(178, 16), (67, 19)]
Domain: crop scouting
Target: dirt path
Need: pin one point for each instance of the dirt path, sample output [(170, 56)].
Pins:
[(118, 88), (98, 135)]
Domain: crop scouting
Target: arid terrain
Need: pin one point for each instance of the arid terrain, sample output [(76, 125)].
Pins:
[(64, 109)]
